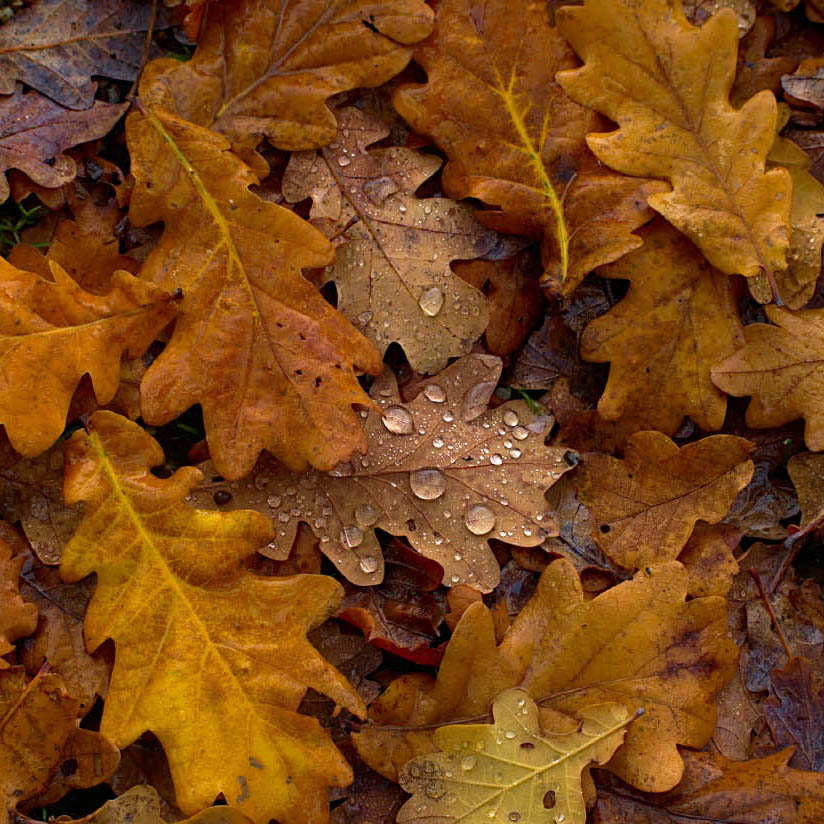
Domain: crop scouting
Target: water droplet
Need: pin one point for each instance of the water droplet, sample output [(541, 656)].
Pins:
[(476, 399), (511, 417), (366, 515), (513, 816), (398, 420), (468, 763), (402, 209), (431, 301), (427, 484), (479, 519), (364, 318), (320, 523), (496, 459), (343, 160), (368, 564), (448, 416), (434, 393), (437, 442), (273, 501), (510, 734), (455, 579), (514, 453), (351, 536)]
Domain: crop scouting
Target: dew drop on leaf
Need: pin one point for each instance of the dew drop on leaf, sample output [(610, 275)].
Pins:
[(427, 484), (368, 564), (351, 536), (511, 417), (496, 459), (431, 301), (433, 392), (468, 762), (520, 433), (398, 420), (366, 515), (479, 519)]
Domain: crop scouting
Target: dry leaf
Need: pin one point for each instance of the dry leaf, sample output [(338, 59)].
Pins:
[(268, 359), (708, 557), (530, 163), (441, 470), (666, 84), (17, 618), (515, 769), (679, 318), (392, 276), (201, 645), (646, 505), (807, 474), (638, 643)]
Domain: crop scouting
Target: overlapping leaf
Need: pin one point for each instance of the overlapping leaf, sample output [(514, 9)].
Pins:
[(392, 275), (515, 769), (638, 643), (666, 84), (201, 645), (17, 618), (647, 504), (530, 162), (440, 469), (268, 359)]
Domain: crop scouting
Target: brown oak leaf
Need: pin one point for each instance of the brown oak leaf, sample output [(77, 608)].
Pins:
[(17, 617)]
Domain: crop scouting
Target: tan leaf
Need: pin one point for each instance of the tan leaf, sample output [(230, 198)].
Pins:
[(17, 617)]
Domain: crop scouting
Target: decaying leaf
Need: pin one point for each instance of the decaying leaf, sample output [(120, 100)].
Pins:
[(638, 643), (392, 276), (54, 332), (647, 504), (782, 366), (268, 359), (267, 67), (17, 618), (666, 84), (679, 318), (441, 470), (515, 769), (35, 131), (201, 645), (529, 162), (807, 473)]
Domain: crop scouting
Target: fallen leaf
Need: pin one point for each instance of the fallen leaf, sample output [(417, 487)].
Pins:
[(679, 317), (35, 131), (757, 72), (807, 473), (646, 505), (794, 710), (762, 505), (638, 53), (268, 359), (392, 274), (782, 366), (187, 624), (54, 332), (441, 470), (549, 353), (530, 164), (638, 643), (805, 86), (708, 557), (17, 617), (517, 767)]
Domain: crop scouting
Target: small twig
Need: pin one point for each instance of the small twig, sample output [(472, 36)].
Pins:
[(773, 287), (792, 544), (771, 611), (145, 56)]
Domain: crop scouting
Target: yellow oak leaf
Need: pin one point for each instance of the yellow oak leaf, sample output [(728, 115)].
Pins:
[(666, 84), (517, 769), (202, 646)]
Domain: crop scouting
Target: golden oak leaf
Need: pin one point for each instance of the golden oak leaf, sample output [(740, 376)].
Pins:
[(516, 769), (782, 366), (201, 644), (638, 643), (267, 67), (666, 84), (392, 274), (268, 359), (646, 505), (441, 470), (678, 319), (529, 162), (17, 618), (54, 332), (716, 790)]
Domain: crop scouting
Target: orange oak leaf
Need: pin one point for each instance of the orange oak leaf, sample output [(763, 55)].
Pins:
[(666, 84), (782, 366), (271, 363), (17, 618), (678, 319), (646, 505), (54, 332), (201, 644), (639, 643)]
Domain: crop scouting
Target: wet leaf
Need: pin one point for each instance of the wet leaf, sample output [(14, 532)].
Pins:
[(709, 559), (807, 473)]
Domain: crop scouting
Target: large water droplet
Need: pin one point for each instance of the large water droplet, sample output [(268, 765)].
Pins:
[(434, 393), (368, 564), (431, 301), (468, 763), (479, 519), (351, 536), (398, 420), (366, 515), (427, 484), (520, 433), (476, 399), (511, 417), (496, 459)]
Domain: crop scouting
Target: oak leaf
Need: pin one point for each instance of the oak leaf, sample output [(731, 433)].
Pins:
[(756, 71), (638, 643), (807, 474), (647, 504), (708, 557), (267, 67), (56, 46), (782, 366), (441, 470), (201, 645), (678, 319), (530, 162), (517, 769), (35, 131), (268, 359), (54, 332), (392, 274), (17, 617), (666, 84)]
